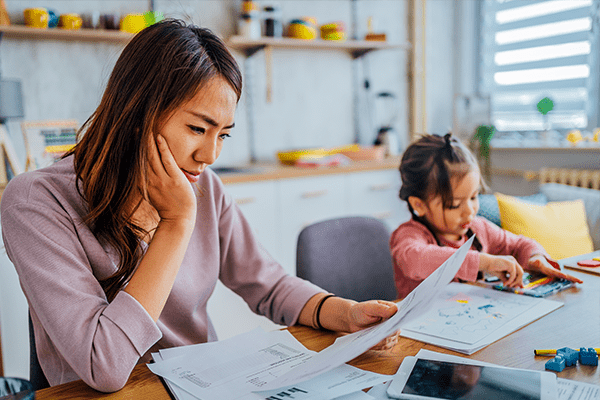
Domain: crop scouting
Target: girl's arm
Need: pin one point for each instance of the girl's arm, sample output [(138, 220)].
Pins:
[(415, 251)]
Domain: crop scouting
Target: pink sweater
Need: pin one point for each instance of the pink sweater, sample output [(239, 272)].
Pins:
[(78, 333), (416, 254)]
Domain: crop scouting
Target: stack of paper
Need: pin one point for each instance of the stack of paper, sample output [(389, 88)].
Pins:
[(466, 318)]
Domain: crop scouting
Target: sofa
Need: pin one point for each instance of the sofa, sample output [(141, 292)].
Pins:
[(549, 194)]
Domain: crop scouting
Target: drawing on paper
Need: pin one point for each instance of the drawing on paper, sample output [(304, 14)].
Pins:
[(467, 314)]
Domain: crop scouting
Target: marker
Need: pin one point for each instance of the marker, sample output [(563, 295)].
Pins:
[(552, 352)]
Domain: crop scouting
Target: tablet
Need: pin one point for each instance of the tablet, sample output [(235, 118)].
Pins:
[(420, 379)]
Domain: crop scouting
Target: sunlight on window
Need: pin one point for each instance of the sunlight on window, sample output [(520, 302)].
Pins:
[(542, 53), (539, 9), (530, 98), (542, 75), (543, 31)]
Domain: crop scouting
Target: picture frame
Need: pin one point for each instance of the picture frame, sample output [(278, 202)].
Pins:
[(46, 141)]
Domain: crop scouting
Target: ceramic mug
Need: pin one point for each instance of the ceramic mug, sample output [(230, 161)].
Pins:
[(133, 23), (36, 17), (70, 21)]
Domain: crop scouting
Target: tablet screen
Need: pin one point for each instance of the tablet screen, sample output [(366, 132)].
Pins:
[(447, 380)]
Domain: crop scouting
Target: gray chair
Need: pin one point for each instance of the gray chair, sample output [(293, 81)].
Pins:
[(36, 375), (349, 257)]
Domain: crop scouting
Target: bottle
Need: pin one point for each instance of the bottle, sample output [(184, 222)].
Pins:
[(249, 23), (248, 27), (273, 26)]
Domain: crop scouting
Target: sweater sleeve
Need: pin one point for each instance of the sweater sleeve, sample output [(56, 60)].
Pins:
[(100, 341), (248, 270), (416, 253), (498, 241)]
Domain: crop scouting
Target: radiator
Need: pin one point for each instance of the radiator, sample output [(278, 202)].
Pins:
[(587, 178)]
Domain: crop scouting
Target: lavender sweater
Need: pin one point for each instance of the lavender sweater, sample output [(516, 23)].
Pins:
[(78, 333)]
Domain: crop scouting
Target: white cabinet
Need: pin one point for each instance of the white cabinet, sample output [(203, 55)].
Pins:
[(375, 194), (305, 201), (258, 202)]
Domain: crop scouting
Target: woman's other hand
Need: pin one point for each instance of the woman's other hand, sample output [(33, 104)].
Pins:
[(372, 312), (171, 194), (548, 267), (367, 313)]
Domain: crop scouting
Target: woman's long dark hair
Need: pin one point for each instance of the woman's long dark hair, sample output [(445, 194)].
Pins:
[(162, 67)]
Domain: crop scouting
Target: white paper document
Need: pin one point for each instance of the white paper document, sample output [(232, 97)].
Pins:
[(466, 318), (233, 368)]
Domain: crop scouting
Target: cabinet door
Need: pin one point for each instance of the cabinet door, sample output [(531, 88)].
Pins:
[(305, 201), (375, 194), (258, 202), (228, 311)]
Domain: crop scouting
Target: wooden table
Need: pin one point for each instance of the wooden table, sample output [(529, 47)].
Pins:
[(575, 325)]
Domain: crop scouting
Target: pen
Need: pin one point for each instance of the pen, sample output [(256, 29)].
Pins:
[(552, 352)]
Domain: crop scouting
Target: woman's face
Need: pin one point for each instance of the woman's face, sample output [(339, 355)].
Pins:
[(196, 130)]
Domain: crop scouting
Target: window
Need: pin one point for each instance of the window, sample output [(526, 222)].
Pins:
[(535, 49)]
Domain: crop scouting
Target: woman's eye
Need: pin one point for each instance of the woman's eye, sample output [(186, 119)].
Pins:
[(197, 129), (453, 207), (224, 135)]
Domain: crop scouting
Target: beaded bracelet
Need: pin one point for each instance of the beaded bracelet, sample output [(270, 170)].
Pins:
[(318, 310)]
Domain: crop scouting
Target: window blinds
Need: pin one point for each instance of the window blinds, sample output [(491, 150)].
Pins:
[(532, 49)]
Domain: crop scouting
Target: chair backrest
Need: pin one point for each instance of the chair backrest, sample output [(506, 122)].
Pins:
[(349, 257), (36, 375)]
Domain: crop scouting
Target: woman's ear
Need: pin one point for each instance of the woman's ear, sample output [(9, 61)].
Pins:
[(417, 205)]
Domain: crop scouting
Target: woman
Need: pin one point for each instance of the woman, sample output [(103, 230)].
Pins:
[(119, 245)]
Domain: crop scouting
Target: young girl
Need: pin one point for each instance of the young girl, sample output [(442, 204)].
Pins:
[(440, 182), (119, 245)]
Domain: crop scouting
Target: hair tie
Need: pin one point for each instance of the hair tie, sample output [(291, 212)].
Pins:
[(448, 138)]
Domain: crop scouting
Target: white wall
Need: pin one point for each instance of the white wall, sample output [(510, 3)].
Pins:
[(312, 91)]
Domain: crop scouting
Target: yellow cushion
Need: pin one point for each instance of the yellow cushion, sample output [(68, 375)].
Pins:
[(560, 227)]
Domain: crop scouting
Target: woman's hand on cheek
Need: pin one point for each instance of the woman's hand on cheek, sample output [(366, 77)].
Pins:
[(169, 190)]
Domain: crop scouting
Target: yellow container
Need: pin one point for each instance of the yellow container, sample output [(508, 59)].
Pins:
[(290, 157), (305, 28), (133, 23), (36, 17), (70, 21)]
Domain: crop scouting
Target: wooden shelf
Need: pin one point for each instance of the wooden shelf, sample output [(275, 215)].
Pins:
[(94, 35), (356, 47)]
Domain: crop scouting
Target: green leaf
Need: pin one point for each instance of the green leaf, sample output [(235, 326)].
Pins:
[(545, 105)]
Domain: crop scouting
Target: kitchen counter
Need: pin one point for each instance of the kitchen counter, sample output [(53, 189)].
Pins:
[(271, 171)]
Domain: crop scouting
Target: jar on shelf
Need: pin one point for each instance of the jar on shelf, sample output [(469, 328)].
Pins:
[(273, 26), (249, 26)]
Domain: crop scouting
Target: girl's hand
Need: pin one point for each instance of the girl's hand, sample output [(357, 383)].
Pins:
[(169, 191), (504, 267), (368, 313), (548, 267)]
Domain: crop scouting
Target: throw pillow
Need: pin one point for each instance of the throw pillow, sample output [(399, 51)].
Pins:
[(591, 200), (560, 227), (488, 205)]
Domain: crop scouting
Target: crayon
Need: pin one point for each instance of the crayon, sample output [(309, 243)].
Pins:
[(552, 352)]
